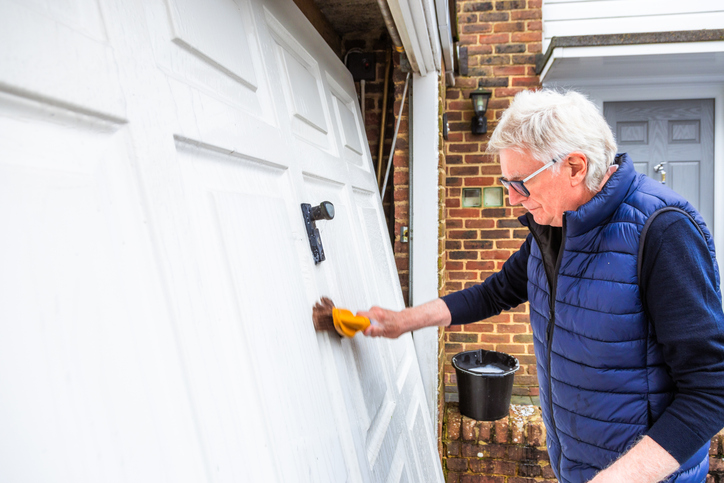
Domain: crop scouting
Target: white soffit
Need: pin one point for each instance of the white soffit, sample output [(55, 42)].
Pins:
[(635, 64), (416, 23)]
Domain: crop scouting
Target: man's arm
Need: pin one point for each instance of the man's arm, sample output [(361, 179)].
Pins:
[(499, 292), (646, 462), (392, 324)]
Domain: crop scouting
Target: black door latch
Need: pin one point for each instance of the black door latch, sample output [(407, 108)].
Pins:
[(325, 211)]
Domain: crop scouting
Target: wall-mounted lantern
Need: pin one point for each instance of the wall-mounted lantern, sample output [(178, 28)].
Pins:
[(479, 124)]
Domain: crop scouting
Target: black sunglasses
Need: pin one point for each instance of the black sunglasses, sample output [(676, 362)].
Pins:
[(519, 186)]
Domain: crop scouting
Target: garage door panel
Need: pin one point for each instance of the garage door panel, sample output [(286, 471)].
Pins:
[(398, 469), (353, 148), (252, 231), (215, 31), (77, 298), (226, 68), (76, 70), (289, 375), (371, 228), (302, 85), (340, 276), (167, 276)]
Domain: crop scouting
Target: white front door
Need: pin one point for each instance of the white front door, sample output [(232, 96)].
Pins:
[(157, 281)]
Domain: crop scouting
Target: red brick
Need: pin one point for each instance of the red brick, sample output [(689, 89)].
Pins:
[(468, 39), (535, 47), (457, 464), (479, 265), (455, 265), (479, 327), (495, 255), (478, 223), (464, 148), (512, 328), (525, 37), (513, 244), (475, 28), (525, 14), (509, 27), (495, 338), (453, 223), (464, 171), (463, 234), (463, 255), (494, 234), (478, 245), (508, 91), (480, 466), (509, 70), (535, 25), (464, 213), (462, 276), (479, 50), (525, 81), (504, 468), (494, 38), (479, 181), (501, 430), (481, 479), (512, 348), (468, 430)]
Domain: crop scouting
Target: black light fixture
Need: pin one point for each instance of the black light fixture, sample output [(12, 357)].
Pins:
[(479, 124)]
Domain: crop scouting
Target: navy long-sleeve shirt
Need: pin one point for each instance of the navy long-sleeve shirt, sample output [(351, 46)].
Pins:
[(678, 285)]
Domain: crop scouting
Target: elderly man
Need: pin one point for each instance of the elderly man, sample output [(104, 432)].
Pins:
[(625, 305)]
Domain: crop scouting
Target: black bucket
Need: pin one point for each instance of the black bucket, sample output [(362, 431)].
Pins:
[(485, 383)]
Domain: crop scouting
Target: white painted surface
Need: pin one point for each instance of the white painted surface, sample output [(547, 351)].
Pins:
[(424, 221), (157, 281), (416, 23), (694, 62), (563, 18)]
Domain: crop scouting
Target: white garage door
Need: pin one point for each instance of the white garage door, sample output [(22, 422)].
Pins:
[(156, 280)]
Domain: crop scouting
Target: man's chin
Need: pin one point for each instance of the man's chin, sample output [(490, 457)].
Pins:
[(540, 217)]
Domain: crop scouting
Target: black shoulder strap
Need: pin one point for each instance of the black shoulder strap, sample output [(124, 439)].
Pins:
[(642, 240)]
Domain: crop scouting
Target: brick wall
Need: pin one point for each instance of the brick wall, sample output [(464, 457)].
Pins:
[(498, 46), (399, 183), (512, 450), (716, 459)]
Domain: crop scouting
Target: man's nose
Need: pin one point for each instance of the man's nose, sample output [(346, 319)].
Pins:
[(515, 197)]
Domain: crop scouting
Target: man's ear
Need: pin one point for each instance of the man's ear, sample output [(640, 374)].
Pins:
[(578, 164)]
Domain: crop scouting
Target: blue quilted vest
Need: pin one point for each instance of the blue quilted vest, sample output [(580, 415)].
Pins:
[(603, 381)]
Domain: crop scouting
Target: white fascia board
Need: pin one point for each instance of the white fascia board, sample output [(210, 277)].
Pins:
[(433, 32), (446, 41), (424, 159), (417, 25), (630, 51)]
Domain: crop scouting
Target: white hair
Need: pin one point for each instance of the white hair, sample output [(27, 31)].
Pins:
[(548, 124)]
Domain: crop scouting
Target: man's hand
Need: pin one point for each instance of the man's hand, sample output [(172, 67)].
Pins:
[(385, 323), (646, 462), (392, 324)]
